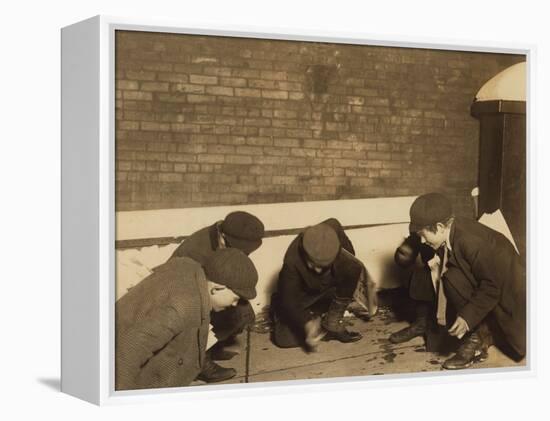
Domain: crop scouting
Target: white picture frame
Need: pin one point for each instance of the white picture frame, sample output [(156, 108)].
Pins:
[(88, 210)]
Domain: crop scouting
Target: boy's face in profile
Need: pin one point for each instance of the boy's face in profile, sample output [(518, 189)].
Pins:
[(222, 297), (433, 239)]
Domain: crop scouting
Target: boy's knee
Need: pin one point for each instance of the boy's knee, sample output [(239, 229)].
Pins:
[(284, 337)]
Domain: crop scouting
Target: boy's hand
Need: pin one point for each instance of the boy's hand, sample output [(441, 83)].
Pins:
[(459, 328), (314, 333)]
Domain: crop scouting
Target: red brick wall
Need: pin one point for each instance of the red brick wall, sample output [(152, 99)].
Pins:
[(205, 121)]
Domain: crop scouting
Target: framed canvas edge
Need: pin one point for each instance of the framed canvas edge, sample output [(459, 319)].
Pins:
[(108, 25)]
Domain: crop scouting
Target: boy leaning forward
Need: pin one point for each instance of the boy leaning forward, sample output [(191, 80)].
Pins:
[(481, 294)]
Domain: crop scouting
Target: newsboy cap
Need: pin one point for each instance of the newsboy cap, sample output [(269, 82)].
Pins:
[(321, 244), (234, 269), (243, 231), (429, 209)]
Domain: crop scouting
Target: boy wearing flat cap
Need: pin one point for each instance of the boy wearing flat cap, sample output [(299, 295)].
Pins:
[(319, 276), (242, 231), (162, 323), (482, 280)]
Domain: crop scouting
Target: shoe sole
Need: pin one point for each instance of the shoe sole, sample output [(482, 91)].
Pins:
[(202, 379), (482, 356), (328, 338)]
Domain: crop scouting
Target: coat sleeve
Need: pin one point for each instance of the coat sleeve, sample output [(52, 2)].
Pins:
[(344, 239), (291, 295), (487, 291), (138, 344)]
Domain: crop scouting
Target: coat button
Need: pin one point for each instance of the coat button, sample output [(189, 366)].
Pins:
[(180, 362)]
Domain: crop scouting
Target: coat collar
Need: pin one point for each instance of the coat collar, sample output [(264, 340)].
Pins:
[(451, 245), (214, 233)]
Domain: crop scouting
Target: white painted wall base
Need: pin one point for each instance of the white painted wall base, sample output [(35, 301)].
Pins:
[(374, 246)]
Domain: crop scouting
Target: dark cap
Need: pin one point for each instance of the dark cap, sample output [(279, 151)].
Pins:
[(234, 269), (321, 244), (429, 209), (243, 231)]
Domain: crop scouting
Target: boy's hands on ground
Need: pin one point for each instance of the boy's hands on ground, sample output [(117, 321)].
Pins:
[(314, 333), (459, 328)]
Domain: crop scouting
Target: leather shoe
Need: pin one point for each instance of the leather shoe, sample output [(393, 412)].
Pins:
[(408, 333), (214, 373), (472, 350), (344, 336)]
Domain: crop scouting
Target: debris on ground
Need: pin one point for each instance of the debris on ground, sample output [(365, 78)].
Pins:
[(262, 323)]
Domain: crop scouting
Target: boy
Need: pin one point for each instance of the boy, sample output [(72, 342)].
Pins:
[(319, 276), (482, 280), (243, 231), (162, 323)]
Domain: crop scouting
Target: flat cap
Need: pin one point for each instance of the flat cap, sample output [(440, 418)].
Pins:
[(234, 269), (321, 244), (243, 231), (429, 209)]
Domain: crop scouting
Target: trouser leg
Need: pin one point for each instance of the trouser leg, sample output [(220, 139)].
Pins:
[(347, 271), (423, 298), (417, 328), (285, 334), (232, 320), (457, 298), (473, 346), (421, 285), (226, 325)]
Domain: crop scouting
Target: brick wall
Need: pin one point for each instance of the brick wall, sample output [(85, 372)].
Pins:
[(205, 121)]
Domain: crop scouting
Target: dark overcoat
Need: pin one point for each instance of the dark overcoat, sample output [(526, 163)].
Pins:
[(200, 245), (162, 328), (486, 270)]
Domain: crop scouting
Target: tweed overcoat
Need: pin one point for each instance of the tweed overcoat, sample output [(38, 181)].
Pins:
[(485, 269), (162, 328), (199, 246)]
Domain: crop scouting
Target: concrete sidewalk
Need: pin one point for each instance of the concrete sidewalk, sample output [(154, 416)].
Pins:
[(373, 355)]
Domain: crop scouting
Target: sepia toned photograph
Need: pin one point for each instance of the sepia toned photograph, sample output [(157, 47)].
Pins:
[(297, 210)]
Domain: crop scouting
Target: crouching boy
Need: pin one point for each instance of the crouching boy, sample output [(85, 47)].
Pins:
[(482, 280), (162, 323), (319, 277), (239, 230)]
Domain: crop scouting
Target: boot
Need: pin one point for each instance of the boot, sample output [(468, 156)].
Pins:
[(333, 322), (471, 350), (418, 328), (213, 373)]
